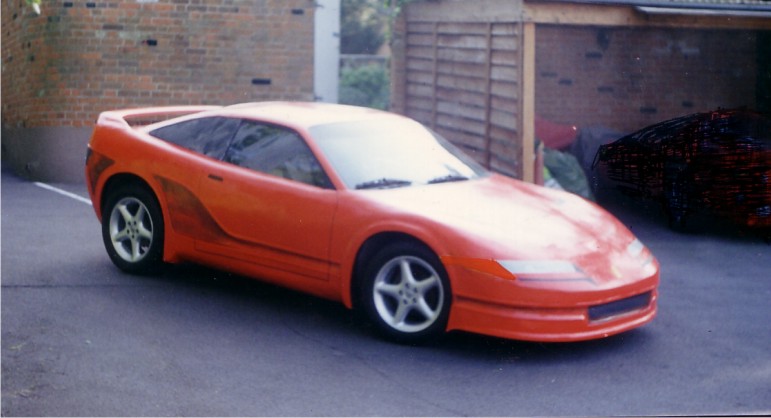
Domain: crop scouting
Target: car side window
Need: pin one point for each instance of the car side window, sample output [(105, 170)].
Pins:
[(277, 151), (207, 136)]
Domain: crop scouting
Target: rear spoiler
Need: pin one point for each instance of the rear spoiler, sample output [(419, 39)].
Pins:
[(145, 116)]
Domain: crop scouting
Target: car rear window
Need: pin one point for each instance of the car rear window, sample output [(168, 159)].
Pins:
[(208, 136)]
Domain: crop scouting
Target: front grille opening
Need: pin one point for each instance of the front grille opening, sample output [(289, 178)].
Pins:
[(619, 307)]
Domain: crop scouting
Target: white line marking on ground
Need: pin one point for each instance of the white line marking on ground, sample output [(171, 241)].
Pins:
[(63, 192)]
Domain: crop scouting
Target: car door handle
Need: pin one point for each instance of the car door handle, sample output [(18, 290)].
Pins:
[(216, 177)]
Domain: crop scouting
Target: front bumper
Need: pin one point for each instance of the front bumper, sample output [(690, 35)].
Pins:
[(543, 324), (508, 309)]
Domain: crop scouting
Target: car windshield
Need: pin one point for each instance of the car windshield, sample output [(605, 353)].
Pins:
[(392, 153)]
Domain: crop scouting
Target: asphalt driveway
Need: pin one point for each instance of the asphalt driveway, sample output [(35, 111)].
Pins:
[(81, 338)]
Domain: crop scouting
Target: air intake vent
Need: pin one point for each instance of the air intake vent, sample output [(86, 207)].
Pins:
[(619, 307)]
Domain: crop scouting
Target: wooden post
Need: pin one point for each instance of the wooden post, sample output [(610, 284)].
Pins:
[(528, 102), (434, 75), (399, 64), (488, 97)]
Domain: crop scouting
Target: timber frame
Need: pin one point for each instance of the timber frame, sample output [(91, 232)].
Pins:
[(503, 122)]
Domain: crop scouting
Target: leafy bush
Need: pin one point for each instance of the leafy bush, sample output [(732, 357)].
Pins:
[(368, 85), (362, 26)]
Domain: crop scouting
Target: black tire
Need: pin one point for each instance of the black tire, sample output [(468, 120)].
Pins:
[(677, 196), (406, 294), (133, 230)]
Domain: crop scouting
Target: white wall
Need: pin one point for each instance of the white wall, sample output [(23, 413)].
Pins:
[(326, 59)]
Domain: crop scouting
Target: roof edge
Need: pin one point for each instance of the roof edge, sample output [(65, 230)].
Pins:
[(748, 7)]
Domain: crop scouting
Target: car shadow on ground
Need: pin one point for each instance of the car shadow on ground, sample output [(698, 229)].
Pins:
[(296, 310), (306, 314), (525, 352)]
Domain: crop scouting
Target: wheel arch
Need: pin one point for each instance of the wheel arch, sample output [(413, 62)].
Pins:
[(118, 186), (119, 180), (368, 249)]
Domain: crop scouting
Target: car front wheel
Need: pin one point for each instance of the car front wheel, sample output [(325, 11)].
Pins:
[(406, 293), (132, 230)]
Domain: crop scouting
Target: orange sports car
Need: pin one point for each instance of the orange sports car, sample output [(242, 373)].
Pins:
[(368, 208)]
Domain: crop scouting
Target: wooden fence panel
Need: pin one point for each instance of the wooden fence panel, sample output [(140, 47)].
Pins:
[(463, 79)]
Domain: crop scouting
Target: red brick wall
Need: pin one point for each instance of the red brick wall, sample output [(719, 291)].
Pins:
[(626, 78), (80, 57)]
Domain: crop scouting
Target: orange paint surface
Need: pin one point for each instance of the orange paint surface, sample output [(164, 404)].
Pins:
[(309, 238)]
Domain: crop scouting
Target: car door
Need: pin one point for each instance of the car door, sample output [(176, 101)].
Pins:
[(177, 169), (273, 203)]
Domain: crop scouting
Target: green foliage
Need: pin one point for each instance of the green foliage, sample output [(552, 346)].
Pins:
[(368, 86), (396, 5), (362, 26), (35, 4)]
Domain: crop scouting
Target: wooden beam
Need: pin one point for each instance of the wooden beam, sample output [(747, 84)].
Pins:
[(528, 102), (398, 47), (629, 16), (434, 72), (465, 11), (488, 96)]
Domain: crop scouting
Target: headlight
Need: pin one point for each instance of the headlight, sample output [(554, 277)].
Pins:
[(529, 267), (635, 248), (526, 270), (544, 270)]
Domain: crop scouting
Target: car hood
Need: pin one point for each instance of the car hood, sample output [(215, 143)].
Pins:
[(503, 218)]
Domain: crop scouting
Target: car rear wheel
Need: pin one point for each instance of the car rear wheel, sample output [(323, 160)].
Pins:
[(406, 293), (132, 230), (676, 200)]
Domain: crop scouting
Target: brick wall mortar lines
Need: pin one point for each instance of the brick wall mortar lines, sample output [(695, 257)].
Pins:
[(64, 67), (626, 79)]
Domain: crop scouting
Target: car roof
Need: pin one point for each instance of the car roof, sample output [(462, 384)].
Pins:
[(303, 114)]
